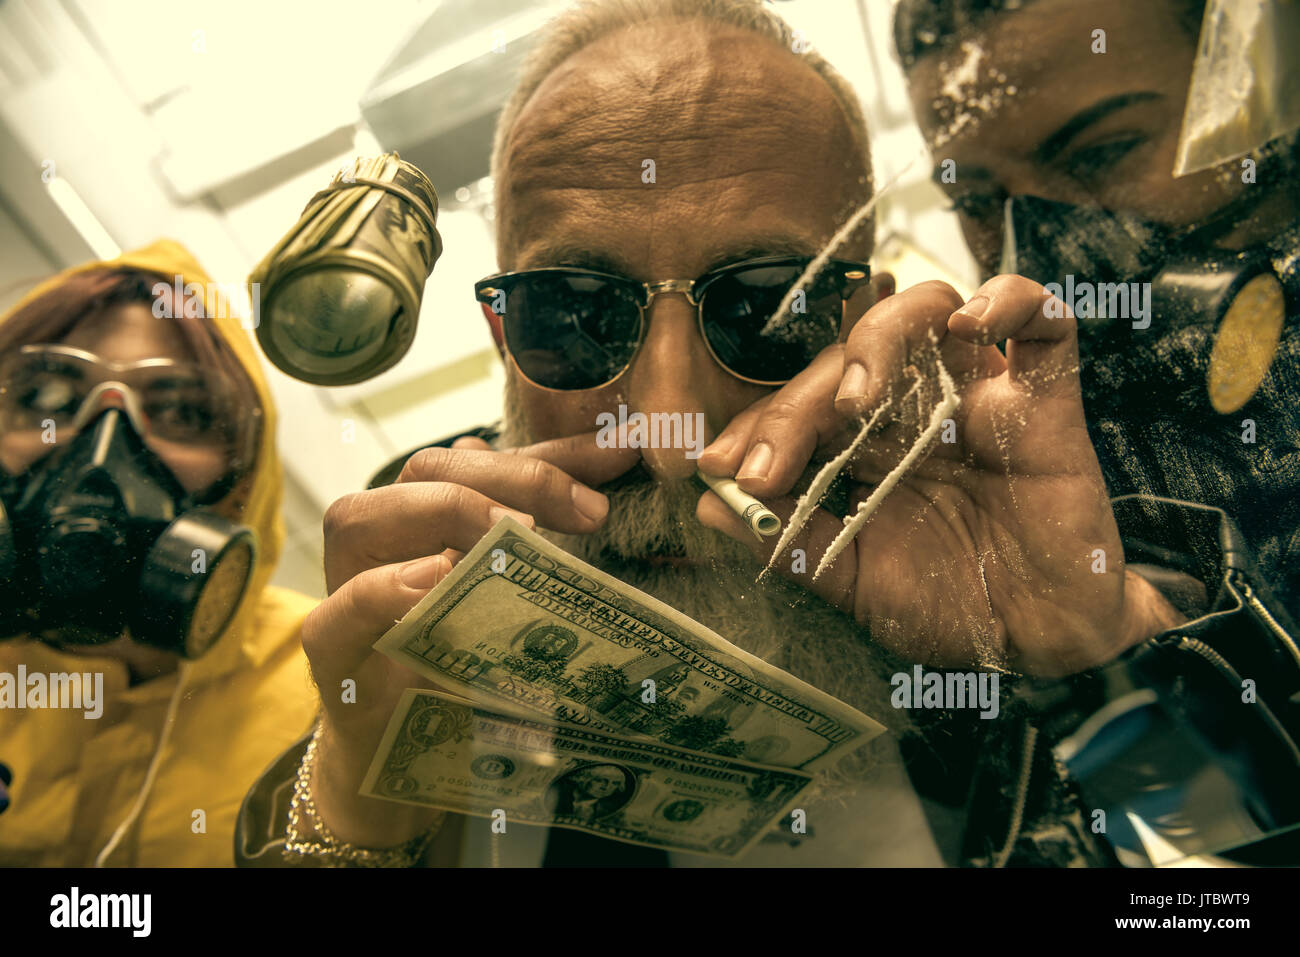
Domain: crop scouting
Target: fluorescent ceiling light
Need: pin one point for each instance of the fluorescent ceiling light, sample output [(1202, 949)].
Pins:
[(82, 219)]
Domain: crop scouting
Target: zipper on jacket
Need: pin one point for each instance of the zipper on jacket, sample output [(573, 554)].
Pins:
[(1200, 648), (1022, 794), (1259, 609)]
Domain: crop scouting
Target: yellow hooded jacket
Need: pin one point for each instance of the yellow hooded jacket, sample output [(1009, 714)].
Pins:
[(126, 789)]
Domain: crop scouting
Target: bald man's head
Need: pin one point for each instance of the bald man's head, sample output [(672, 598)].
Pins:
[(712, 100)]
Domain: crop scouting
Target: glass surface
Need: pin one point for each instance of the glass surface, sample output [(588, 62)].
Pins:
[(1068, 501)]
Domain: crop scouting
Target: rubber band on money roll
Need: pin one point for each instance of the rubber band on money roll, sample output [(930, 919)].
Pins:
[(356, 182), (327, 848)]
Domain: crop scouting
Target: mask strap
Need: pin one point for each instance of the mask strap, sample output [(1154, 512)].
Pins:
[(1224, 219), (151, 774)]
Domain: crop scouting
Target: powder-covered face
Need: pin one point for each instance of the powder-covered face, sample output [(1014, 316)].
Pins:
[(1025, 107)]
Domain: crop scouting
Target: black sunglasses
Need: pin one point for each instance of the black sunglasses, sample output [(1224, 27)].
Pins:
[(569, 329)]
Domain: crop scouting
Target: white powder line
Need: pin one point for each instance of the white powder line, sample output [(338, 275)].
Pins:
[(943, 410), (988, 599), (808, 502), (782, 314)]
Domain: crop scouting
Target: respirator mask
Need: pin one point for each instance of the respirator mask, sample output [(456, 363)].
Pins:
[(1160, 303), (99, 535)]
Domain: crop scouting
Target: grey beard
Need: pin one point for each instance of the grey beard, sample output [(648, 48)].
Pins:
[(775, 619)]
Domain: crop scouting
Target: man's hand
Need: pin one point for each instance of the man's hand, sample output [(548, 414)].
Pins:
[(991, 550), (384, 550)]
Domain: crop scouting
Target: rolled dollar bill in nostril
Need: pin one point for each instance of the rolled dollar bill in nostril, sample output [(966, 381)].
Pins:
[(337, 299), (762, 521)]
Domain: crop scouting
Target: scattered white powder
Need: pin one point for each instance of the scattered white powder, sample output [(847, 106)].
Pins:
[(956, 79), (960, 98), (782, 314)]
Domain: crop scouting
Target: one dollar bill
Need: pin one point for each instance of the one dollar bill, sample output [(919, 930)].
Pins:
[(520, 625), (444, 752)]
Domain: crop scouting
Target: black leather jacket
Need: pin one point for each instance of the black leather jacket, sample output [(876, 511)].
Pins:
[(1184, 745)]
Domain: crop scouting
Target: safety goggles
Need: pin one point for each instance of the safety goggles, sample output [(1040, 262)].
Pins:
[(169, 400), (570, 329)]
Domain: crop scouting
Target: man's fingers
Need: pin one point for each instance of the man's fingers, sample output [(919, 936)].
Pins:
[(799, 418), (724, 454), (401, 522), (339, 632), (447, 498), (1042, 345), (520, 481), (791, 424), (582, 457), (890, 337), (574, 457)]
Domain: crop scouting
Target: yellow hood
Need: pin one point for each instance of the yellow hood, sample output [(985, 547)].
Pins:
[(157, 779), (261, 513)]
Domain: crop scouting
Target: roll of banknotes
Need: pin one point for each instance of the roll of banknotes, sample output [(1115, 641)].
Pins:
[(761, 520), (340, 292)]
